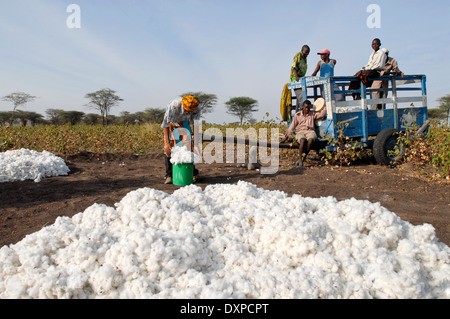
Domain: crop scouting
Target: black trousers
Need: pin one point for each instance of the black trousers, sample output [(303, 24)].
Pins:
[(168, 165)]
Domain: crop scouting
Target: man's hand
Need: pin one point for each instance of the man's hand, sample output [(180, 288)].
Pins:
[(167, 149), (284, 138)]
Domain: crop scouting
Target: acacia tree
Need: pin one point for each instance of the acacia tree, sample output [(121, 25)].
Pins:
[(18, 99), (241, 107), (444, 107), (53, 115), (103, 101), (60, 117), (91, 119), (207, 101), (26, 116), (72, 117), (154, 115), (6, 118)]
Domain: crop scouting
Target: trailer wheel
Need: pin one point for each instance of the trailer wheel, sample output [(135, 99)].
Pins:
[(387, 149)]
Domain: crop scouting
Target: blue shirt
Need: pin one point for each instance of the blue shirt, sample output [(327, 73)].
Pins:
[(327, 70)]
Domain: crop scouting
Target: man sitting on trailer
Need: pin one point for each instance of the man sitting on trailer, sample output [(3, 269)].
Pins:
[(304, 125), (390, 68), (373, 68)]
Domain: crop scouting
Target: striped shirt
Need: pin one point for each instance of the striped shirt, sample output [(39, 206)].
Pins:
[(176, 114)]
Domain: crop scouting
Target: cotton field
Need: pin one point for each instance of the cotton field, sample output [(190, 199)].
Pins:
[(228, 241), (24, 164)]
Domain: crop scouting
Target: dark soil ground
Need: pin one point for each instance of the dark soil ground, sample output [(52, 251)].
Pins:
[(26, 207)]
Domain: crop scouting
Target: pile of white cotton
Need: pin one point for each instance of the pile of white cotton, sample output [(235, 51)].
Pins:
[(24, 164), (181, 155), (228, 241)]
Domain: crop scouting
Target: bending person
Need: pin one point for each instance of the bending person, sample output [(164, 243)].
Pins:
[(180, 114)]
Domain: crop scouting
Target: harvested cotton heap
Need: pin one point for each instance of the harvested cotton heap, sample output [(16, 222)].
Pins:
[(228, 241), (181, 155), (24, 164)]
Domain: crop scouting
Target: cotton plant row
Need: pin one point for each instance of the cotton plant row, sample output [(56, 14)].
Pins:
[(25, 164), (228, 241), (73, 139)]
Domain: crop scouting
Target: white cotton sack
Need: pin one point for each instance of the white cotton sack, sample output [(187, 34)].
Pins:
[(24, 164), (228, 241), (181, 155)]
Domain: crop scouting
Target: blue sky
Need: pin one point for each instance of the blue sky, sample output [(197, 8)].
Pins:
[(152, 51)]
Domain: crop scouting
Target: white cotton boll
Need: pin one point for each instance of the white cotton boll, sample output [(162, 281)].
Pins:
[(105, 279), (76, 279), (15, 288), (181, 155)]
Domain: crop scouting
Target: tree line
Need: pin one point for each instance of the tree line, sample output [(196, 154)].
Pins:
[(61, 117), (104, 100)]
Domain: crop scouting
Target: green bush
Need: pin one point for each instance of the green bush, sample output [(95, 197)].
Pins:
[(429, 150)]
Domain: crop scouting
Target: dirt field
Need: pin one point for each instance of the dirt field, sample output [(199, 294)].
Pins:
[(26, 207)]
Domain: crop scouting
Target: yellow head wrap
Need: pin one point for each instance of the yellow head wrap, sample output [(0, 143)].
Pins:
[(190, 103)]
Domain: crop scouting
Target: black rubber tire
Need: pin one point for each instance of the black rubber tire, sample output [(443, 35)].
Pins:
[(384, 146)]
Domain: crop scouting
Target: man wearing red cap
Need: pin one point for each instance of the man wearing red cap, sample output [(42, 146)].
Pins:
[(180, 114), (326, 65), (326, 68)]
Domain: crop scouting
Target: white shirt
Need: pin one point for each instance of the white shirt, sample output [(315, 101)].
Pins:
[(377, 61)]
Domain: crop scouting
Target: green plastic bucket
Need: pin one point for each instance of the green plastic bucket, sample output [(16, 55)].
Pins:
[(183, 174)]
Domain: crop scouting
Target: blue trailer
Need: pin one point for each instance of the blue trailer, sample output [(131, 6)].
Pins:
[(404, 106)]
